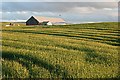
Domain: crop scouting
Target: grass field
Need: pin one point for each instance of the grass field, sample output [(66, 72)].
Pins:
[(70, 51)]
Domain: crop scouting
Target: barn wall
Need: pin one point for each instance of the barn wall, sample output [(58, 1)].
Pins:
[(32, 21)]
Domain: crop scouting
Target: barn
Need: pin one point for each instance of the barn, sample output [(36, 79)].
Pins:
[(38, 20)]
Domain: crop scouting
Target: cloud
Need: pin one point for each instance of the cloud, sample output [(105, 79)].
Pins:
[(21, 12), (107, 8), (70, 11), (56, 6), (83, 9), (60, 1)]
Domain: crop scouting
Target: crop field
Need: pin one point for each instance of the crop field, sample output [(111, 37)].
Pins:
[(66, 51)]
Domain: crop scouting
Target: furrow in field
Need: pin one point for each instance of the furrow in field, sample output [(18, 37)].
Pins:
[(101, 39), (73, 51), (30, 60)]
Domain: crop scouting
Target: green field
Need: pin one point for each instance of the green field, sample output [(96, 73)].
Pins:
[(70, 51)]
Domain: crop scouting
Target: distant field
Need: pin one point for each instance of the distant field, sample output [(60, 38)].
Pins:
[(71, 51)]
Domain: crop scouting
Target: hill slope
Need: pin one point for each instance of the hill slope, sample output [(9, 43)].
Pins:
[(71, 51)]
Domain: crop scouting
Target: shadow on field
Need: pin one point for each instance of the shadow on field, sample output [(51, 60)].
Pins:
[(116, 41), (93, 57), (28, 60)]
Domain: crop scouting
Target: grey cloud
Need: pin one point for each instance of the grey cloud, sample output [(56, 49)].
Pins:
[(70, 11), (53, 6), (60, 1)]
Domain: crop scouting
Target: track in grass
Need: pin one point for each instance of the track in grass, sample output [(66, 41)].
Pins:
[(71, 51)]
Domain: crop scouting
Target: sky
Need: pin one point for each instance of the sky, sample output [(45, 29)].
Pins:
[(59, 0), (72, 12)]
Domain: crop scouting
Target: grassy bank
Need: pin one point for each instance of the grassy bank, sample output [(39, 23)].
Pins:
[(70, 51)]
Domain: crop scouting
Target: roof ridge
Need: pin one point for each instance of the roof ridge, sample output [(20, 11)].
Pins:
[(46, 17), (51, 19)]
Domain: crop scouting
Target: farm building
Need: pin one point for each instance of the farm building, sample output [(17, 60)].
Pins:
[(37, 20)]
